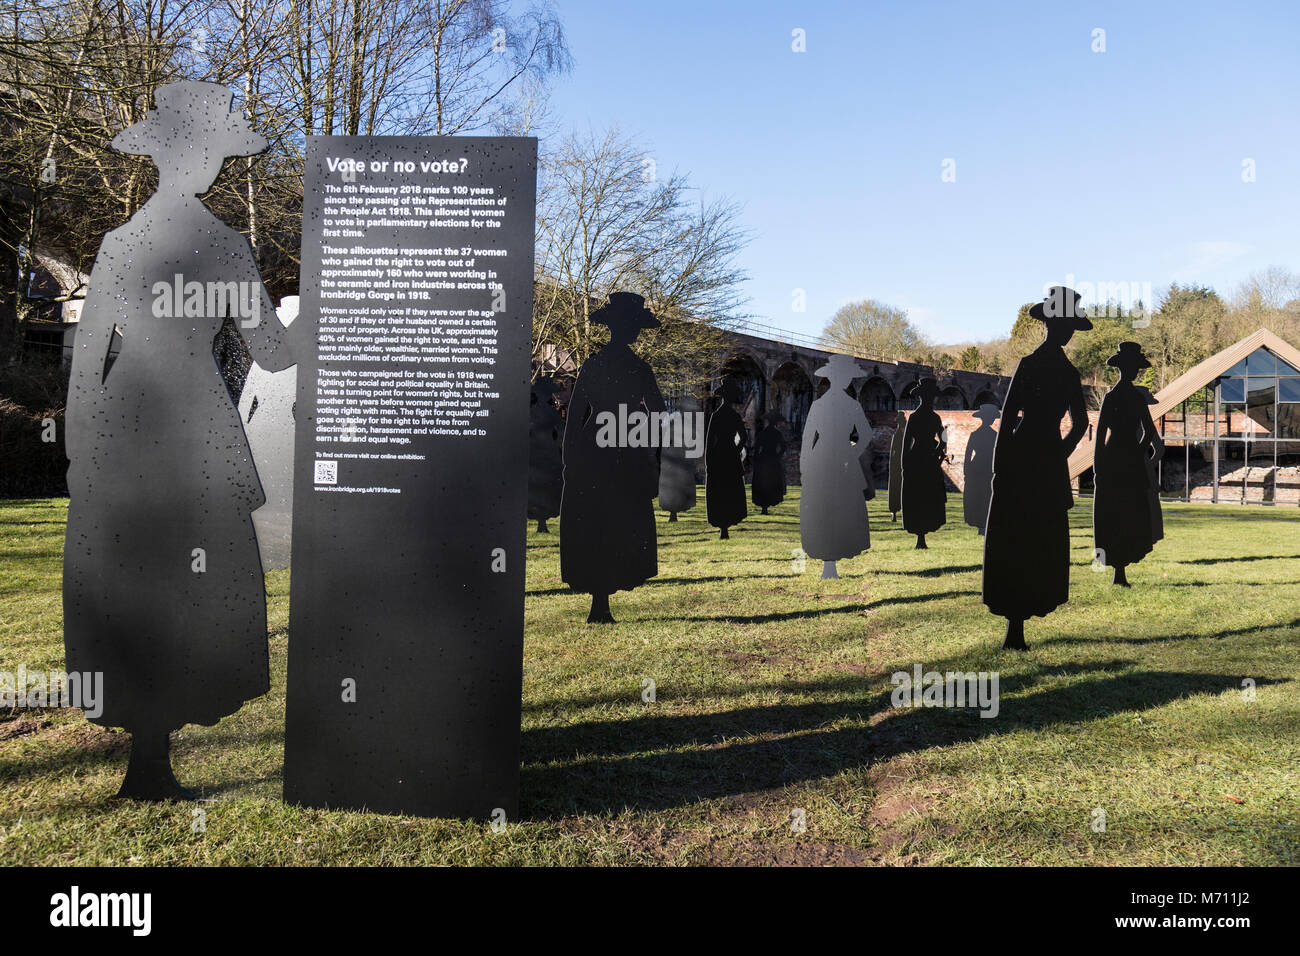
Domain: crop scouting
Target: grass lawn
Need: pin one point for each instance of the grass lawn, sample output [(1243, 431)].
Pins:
[(772, 695)]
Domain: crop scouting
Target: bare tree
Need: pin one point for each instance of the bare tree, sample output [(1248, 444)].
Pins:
[(606, 222)]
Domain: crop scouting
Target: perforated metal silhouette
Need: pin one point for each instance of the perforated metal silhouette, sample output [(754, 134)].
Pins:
[(607, 522), (163, 589), (1027, 542), (896, 467), (924, 497), (833, 522), (726, 446), (545, 453), (977, 468), (1126, 503), (266, 407), (767, 487)]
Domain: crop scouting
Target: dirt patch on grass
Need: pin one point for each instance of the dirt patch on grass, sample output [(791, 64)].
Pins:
[(21, 727), (774, 660), (92, 739)]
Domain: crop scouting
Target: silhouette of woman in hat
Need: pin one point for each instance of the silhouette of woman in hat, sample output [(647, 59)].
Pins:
[(768, 488), (545, 453), (1123, 529), (1027, 541), (924, 496), (163, 588), (896, 467), (977, 468), (607, 521), (833, 522), (725, 446)]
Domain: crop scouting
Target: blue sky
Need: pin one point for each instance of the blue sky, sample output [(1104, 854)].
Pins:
[(1122, 166)]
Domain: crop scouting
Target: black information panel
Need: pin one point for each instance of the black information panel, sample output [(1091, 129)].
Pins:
[(411, 476)]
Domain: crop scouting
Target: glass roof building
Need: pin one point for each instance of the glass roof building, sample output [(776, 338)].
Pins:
[(1230, 426)]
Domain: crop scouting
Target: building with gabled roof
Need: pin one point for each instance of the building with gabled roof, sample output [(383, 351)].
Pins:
[(1230, 426)]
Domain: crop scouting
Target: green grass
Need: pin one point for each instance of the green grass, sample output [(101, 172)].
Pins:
[(772, 694)]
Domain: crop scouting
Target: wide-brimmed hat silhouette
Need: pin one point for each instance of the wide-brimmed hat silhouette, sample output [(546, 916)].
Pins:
[(840, 370), (1128, 355), (730, 391), (1061, 304), (987, 413), (925, 385), (190, 115), (625, 310)]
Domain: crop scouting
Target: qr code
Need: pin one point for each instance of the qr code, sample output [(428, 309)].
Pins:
[(327, 472)]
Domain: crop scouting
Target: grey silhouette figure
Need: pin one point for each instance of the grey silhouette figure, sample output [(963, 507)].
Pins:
[(163, 590), (924, 496), (266, 407), (545, 453), (833, 522), (1027, 541), (977, 468), (1126, 448), (607, 521), (896, 467), (725, 448), (677, 475), (768, 485), (1153, 468)]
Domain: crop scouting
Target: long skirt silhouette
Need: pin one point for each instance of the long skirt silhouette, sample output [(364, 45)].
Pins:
[(607, 521), (977, 476), (676, 481), (833, 522), (1027, 540), (768, 487), (1121, 516), (724, 479), (896, 466), (924, 497), (162, 581), (1153, 471), (545, 458)]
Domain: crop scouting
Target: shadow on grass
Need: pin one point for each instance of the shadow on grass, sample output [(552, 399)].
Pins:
[(652, 581), (616, 771), (1244, 557), (1171, 638)]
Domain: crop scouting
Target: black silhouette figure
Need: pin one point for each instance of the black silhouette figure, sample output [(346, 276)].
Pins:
[(545, 454), (163, 590), (1027, 541), (896, 467), (924, 497), (725, 448), (607, 522), (1126, 448), (833, 522), (1153, 467), (768, 485), (977, 468)]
